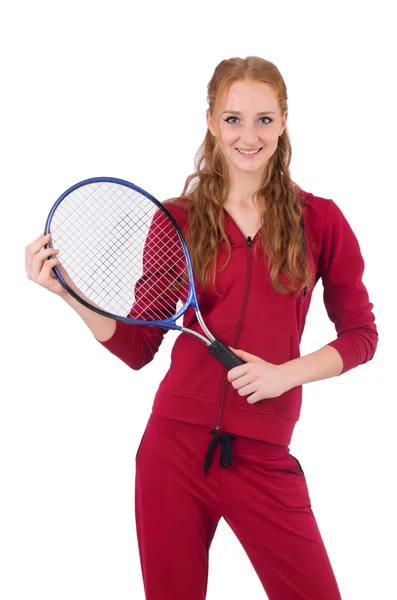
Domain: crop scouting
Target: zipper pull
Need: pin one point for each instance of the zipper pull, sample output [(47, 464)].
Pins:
[(249, 240), (304, 294)]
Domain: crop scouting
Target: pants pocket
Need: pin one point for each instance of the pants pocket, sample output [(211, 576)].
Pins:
[(140, 443), (299, 465)]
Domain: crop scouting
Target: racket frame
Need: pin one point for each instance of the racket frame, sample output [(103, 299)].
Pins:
[(192, 295)]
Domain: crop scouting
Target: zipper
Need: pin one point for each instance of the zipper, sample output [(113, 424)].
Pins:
[(240, 324)]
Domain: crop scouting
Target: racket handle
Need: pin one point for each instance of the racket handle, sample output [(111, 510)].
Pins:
[(225, 355)]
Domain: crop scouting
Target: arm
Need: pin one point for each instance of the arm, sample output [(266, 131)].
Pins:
[(341, 267), (322, 364), (156, 294), (135, 345)]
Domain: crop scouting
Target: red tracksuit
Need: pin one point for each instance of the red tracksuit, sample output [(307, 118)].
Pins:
[(206, 453)]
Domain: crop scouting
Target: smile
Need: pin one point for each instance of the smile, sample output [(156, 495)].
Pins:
[(249, 151)]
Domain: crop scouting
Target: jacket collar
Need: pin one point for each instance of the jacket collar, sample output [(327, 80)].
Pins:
[(234, 233)]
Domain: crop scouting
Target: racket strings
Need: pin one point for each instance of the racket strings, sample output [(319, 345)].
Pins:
[(120, 252)]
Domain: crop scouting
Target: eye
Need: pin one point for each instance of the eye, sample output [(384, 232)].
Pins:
[(227, 120)]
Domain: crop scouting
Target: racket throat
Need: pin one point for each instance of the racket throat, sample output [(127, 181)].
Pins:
[(217, 348), (207, 340)]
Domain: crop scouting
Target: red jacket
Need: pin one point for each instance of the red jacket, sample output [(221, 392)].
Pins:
[(249, 314)]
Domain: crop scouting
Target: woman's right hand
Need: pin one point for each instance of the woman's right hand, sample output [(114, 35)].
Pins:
[(39, 269)]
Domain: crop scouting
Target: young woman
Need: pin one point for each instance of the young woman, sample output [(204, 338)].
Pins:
[(259, 244)]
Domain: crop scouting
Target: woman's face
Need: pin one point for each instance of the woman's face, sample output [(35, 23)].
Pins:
[(250, 120)]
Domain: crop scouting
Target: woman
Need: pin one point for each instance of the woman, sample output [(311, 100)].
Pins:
[(259, 244)]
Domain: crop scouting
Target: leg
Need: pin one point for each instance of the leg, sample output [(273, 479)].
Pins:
[(177, 513), (267, 505)]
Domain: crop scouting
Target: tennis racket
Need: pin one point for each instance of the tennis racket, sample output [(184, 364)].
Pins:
[(123, 255)]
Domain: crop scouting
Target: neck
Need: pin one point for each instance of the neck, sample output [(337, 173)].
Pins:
[(241, 195), (243, 189)]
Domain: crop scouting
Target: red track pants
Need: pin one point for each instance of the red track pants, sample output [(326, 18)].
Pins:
[(257, 487)]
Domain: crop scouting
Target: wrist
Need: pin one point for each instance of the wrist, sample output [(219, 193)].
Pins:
[(68, 298), (289, 376)]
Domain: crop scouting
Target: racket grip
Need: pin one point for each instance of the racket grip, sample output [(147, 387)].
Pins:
[(224, 355)]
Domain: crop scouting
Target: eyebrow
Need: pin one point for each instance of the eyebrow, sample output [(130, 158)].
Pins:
[(236, 112)]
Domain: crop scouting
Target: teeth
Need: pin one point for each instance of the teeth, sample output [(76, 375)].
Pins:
[(248, 152)]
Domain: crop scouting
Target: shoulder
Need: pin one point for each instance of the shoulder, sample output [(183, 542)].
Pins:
[(178, 204), (319, 213), (314, 207), (179, 209), (322, 213)]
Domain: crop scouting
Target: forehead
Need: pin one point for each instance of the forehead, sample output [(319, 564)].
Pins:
[(250, 95)]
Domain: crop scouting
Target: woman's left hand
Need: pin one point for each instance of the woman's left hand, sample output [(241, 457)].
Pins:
[(257, 379)]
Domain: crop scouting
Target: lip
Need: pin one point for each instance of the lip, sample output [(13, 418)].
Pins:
[(249, 150)]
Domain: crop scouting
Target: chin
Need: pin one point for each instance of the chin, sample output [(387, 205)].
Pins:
[(250, 168)]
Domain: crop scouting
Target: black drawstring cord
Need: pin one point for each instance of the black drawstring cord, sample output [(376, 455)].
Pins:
[(226, 450)]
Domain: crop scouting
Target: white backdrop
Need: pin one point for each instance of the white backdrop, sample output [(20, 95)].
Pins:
[(98, 88)]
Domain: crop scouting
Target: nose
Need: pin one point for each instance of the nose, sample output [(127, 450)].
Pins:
[(249, 135)]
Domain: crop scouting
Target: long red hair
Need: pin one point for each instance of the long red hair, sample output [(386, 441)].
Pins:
[(279, 199)]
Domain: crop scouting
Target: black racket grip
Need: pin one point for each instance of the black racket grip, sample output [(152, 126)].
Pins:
[(225, 355)]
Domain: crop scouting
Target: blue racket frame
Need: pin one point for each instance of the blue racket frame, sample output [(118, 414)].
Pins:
[(191, 300)]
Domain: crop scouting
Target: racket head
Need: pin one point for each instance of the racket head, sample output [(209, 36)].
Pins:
[(108, 212)]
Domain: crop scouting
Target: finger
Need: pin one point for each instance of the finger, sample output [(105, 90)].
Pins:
[(46, 273), (242, 381), (244, 355), (38, 243), (39, 260), (237, 372), (34, 247), (251, 388), (256, 397)]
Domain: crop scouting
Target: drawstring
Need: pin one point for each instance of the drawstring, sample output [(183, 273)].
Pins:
[(226, 450)]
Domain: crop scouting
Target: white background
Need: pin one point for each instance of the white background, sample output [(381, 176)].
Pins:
[(99, 88)]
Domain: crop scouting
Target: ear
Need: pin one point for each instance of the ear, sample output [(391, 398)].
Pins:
[(284, 121), (209, 121)]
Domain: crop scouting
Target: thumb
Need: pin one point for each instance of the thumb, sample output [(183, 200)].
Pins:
[(246, 356)]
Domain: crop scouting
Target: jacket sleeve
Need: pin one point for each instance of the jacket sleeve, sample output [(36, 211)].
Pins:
[(341, 267), (135, 345), (156, 294)]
